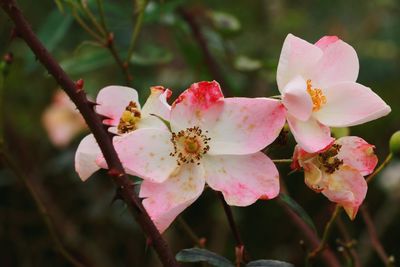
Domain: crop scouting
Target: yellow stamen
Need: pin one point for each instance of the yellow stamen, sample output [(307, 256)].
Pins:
[(129, 118), (317, 96)]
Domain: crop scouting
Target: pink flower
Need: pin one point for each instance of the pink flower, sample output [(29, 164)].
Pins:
[(317, 83), (62, 120), (121, 107), (213, 139), (338, 170)]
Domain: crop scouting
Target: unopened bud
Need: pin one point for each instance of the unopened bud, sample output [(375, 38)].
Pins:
[(394, 144)]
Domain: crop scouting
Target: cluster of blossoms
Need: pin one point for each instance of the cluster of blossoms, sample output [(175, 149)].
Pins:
[(204, 138)]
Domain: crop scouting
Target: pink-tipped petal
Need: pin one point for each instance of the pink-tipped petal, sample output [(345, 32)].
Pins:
[(165, 201), (339, 63), (357, 153), (245, 125), (85, 157), (348, 104), (242, 179), (157, 103), (346, 187), (297, 57), (112, 101), (311, 135), (296, 99), (146, 153), (326, 41)]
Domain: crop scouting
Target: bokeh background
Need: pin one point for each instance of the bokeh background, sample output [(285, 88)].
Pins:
[(235, 42)]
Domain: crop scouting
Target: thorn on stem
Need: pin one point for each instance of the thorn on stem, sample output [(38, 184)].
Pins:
[(79, 85)]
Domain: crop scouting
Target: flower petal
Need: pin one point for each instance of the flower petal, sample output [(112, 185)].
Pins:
[(146, 153), (357, 153), (313, 176), (349, 104), (311, 135), (242, 179), (296, 99), (165, 201), (157, 103), (338, 63), (85, 157), (112, 101), (348, 188), (297, 58), (245, 125)]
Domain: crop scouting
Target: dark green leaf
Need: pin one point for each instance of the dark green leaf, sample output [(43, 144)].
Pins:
[(198, 254), (298, 210), (269, 263)]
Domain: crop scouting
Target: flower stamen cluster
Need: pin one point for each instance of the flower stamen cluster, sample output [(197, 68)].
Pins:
[(329, 159), (129, 118), (317, 96)]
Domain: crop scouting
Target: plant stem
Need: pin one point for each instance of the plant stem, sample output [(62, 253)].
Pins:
[(102, 14), (7, 160), (92, 18), (136, 31), (348, 243), (94, 122), (380, 168), (282, 160), (190, 233), (85, 27)]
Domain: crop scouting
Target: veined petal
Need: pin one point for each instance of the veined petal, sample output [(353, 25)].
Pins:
[(112, 101), (348, 188), (357, 153), (348, 104), (246, 125), (85, 157), (296, 99), (297, 57), (165, 201), (339, 63), (157, 103), (146, 153), (242, 179), (311, 135)]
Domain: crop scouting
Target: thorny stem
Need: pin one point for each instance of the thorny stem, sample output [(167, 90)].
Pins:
[(190, 233), (326, 234), (380, 168), (92, 119), (136, 31), (241, 253), (7, 160)]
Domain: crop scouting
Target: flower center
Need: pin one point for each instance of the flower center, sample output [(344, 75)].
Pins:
[(190, 145), (329, 160), (317, 96), (129, 118)]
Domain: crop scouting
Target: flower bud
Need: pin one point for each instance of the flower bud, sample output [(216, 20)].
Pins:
[(394, 144)]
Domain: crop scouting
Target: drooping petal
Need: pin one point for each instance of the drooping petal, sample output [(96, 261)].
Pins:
[(339, 63), (297, 57), (85, 157), (146, 153), (348, 188), (357, 153), (200, 103), (296, 99), (349, 104), (313, 176), (112, 101), (165, 201), (311, 135), (157, 103), (245, 125), (242, 179)]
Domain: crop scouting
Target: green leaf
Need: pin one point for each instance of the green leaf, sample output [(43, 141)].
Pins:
[(198, 254), (291, 203), (269, 263), (151, 55)]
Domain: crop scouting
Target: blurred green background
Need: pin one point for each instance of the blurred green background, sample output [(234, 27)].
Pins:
[(243, 41)]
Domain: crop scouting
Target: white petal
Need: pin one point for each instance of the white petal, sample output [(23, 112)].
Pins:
[(85, 157), (297, 100)]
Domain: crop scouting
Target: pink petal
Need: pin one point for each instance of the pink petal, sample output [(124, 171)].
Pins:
[(242, 179), (338, 63), (296, 99), (157, 103), (297, 58), (85, 157), (357, 153), (349, 104), (146, 153), (245, 125), (165, 201), (113, 100), (326, 41), (348, 188), (311, 135)]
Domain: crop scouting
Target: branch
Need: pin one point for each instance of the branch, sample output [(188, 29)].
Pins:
[(92, 119)]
